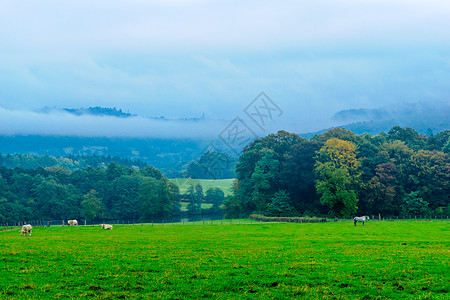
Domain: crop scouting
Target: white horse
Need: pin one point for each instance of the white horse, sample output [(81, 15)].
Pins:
[(361, 219)]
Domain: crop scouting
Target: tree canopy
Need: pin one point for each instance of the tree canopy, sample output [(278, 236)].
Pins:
[(114, 192), (341, 173)]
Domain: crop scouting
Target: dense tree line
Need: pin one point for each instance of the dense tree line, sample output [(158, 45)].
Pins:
[(70, 162), (340, 173), (114, 192), (212, 165), (337, 172)]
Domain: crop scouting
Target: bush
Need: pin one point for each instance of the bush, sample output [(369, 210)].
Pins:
[(263, 218)]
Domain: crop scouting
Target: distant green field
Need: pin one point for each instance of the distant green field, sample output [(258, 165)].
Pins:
[(184, 183), (382, 260), (204, 206)]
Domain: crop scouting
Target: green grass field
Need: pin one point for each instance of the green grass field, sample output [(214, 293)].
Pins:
[(382, 260), (203, 205), (184, 183)]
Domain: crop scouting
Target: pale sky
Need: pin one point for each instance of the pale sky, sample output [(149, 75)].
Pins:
[(182, 58)]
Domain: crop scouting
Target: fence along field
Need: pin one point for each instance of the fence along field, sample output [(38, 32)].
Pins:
[(211, 219), (382, 260)]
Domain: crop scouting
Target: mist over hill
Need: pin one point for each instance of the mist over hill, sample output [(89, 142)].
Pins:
[(172, 153), (427, 118), (107, 112)]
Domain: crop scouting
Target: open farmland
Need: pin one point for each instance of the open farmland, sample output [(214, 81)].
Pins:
[(184, 183), (382, 260)]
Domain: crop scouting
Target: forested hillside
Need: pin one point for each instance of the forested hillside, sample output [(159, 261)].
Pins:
[(426, 118), (169, 155), (175, 156), (340, 173), (69, 162), (95, 111)]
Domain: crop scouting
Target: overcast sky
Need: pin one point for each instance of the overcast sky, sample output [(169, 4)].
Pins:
[(182, 58)]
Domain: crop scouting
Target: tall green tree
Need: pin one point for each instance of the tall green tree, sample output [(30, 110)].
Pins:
[(156, 200), (414, 204), (196, 197), (279, 206), (430, 176), (57, 201), (409, 136), (297, 176), (446, 147), (260, 171), (91, 205), (264, 180), (122, 197), (383, 191), (215, 196), (212, 165), (337, 173)]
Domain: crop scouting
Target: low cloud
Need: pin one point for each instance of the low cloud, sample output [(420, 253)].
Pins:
[(56, 123), (61, 123)]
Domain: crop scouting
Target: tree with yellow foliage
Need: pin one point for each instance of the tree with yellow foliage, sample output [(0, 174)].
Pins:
[(337, 176)]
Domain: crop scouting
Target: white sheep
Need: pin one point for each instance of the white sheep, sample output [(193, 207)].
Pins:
[(72, 222), (26, 229), (106, 226)]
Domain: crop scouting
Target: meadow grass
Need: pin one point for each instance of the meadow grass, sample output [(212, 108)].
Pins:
[(184, 183), (382, 260), (203, 206)]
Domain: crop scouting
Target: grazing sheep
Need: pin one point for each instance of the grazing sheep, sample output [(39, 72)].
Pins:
[(26, 229), (106, 226), (72, 222), (361, 219)]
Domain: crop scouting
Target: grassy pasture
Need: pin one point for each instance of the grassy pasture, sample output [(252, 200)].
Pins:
[(184, 183), (203, 206), (382, 260)]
